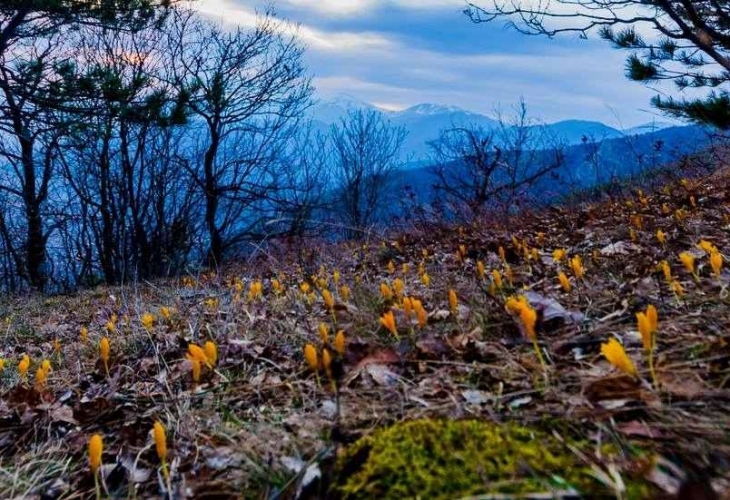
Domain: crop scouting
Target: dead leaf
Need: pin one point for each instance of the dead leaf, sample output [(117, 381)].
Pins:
[(432, 346), (328, 408), (619, 248), (613, 404), (382, 375), (476, 398), (311, 474), (293, 464), (220, 458), (380, 356), (666, 475), (685, 385), (258, 379), (59, 413), (639, 429), (518, 402), (20, 394), (551, 308), (440, 315), (135, 473), (615, 392)]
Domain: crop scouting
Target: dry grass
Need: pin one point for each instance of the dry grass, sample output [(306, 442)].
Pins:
[(259, 419)]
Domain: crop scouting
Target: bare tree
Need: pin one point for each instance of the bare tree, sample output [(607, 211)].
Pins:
[(302, 200), (31, 53), (121, 147), (122, 158), (27, 149), (366, 153), (480, 170), (35, 19), (247, 92), (687, 42)]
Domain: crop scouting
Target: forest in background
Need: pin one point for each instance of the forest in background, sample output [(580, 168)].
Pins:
[(140, 140)]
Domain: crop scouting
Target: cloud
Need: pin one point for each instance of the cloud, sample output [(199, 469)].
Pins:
[(558, 84), (388, 106), (349, 8), (333, 7), (229, 13), (330, 85), (398, 54), (226, 12), (343, 41)]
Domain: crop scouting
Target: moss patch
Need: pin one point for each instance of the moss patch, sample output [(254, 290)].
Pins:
[(453, 459)]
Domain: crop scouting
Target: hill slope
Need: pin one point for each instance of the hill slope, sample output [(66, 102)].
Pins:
[(617, 158), (258, 420)]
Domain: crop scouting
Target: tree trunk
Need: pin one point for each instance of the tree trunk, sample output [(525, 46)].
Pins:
[(106, 253), (215, 251), (35, 241)]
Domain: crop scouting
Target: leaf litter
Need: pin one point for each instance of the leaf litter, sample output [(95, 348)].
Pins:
[(262, 424)]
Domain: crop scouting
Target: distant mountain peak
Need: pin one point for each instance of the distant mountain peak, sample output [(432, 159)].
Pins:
[(346, 101), (425, 121), (652, 126), (333, 108), (434, 109)]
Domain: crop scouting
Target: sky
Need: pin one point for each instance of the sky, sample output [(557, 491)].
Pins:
[(399, 53)]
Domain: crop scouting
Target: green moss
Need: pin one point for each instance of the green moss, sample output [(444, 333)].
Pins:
[(452, 459)]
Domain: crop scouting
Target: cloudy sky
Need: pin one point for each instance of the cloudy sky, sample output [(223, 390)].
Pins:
[(398, 53)]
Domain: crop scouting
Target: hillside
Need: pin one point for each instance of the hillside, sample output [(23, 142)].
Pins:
[(488, 410), (619, 158)]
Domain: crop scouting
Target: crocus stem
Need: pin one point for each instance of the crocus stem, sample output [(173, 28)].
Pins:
[(97, 486), (166, 475), (651, 369), (539, 356), (165, 472)]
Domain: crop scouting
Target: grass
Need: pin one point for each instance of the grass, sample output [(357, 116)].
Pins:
[(42, 467), (260, 410)]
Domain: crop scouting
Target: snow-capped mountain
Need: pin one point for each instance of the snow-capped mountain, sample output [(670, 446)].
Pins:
[(424, 122), (331, 110), (429, 109)]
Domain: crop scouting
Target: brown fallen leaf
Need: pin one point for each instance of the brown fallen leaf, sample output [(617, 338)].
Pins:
[(432, 346), (620, 387), (21, 395), (684, 385), (379, 356), (635, 428), (58, 412)]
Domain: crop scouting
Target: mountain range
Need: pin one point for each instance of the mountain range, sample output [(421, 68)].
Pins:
[(423, 122), (593, 152)]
